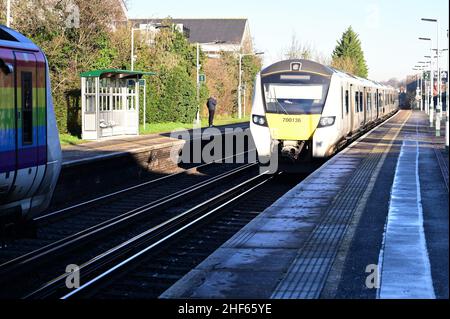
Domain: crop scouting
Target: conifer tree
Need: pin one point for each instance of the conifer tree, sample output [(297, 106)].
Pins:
[(348, 54)]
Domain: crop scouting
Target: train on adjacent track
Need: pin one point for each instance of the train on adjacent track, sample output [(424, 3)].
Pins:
[(30, 151), (304, 112)]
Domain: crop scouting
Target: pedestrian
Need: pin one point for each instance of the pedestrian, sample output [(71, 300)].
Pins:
[(212, 102)]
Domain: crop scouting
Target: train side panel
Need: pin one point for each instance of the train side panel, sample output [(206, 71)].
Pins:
[(41, 199), (7, 125), (326, 138), (30, 153)]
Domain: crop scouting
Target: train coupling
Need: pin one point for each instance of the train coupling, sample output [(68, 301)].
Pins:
[(292, 149)]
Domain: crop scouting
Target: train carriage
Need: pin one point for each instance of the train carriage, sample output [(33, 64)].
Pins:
[(304, 111), (30, 152)]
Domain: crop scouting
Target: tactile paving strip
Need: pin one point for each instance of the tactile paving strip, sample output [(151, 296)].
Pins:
[(307, 275)]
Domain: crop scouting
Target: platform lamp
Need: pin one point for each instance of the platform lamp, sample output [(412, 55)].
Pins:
[(429, 92), (439, 106), (423, 86), (432, 106), (8, 13), (419, 76)]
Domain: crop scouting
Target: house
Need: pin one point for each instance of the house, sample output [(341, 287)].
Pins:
[(213, 35), (121, 18)]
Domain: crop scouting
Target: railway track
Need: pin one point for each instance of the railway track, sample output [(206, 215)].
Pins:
[(68, 230), (162, 255), (37, 271)]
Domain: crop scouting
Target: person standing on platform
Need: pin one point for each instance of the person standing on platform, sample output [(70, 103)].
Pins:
[(212, 102)]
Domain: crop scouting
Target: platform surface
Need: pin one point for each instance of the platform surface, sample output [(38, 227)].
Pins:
[(371, 223), (91, 151)]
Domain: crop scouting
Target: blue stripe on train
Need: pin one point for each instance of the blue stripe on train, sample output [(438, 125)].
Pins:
[(8, 141)]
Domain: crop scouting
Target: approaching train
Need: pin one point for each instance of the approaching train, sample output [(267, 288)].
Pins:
[(30, 152), (304, 111)]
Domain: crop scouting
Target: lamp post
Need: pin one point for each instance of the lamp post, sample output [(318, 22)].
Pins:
[(241, 55), (431, 109), (423, 87), (419, 82), (133, 57), (8, 13), (439, 97), (197, 118), (429, 85), (198, 68)]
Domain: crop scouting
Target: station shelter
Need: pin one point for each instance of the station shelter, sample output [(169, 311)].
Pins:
[(110, 102)]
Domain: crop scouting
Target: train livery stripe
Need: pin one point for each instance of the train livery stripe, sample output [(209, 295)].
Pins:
[(8, 142), (292, 127), (30, 157)]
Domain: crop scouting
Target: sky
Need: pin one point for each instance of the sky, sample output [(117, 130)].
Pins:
[(388, 29)]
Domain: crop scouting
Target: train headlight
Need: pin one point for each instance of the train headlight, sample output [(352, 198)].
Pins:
[(259, 120), (327, 121)]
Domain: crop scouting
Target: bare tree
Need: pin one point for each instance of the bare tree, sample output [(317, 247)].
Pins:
[(300, 50), (297, 50)]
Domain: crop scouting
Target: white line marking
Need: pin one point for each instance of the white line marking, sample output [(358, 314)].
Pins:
[(404, 263)]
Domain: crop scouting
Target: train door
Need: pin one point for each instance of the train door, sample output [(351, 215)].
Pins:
[(352, 114), (357, 109), (346, 128), (364, 105), (377, 104), (27, 117), (7, 123)]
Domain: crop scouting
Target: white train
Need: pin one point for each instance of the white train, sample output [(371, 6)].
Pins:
[(303, 110), (30, 152)]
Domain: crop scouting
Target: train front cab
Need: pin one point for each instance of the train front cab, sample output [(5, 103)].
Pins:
[(294, 95), (29, 164)]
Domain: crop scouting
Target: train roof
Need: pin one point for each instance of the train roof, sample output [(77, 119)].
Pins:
[(303, 66), (10, 38), (314, 67)]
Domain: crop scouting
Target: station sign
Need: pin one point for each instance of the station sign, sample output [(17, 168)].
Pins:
[(444, 76), (202, 78)]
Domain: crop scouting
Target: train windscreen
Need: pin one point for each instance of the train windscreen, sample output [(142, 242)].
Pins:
[(295, 94)]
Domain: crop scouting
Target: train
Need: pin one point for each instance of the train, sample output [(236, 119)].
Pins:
[(304, 112), (30, 151)]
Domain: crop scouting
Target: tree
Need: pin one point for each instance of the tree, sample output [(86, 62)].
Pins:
[(348, 54), (298, 50)]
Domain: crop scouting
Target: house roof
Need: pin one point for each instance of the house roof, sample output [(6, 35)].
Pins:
[(228, 31)]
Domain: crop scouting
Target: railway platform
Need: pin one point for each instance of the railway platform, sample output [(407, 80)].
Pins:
[(370, 223), (118, 146), (94, 168)]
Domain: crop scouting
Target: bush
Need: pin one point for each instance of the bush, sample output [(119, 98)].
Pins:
[(177, 102)]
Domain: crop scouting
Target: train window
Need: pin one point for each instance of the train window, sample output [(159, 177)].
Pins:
[(347, 102), (361, 101), (27, 108), (295, 95), (357, 102), (6, 36), (369, 102)]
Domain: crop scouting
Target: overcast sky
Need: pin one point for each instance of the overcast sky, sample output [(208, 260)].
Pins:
[(388, 29)]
